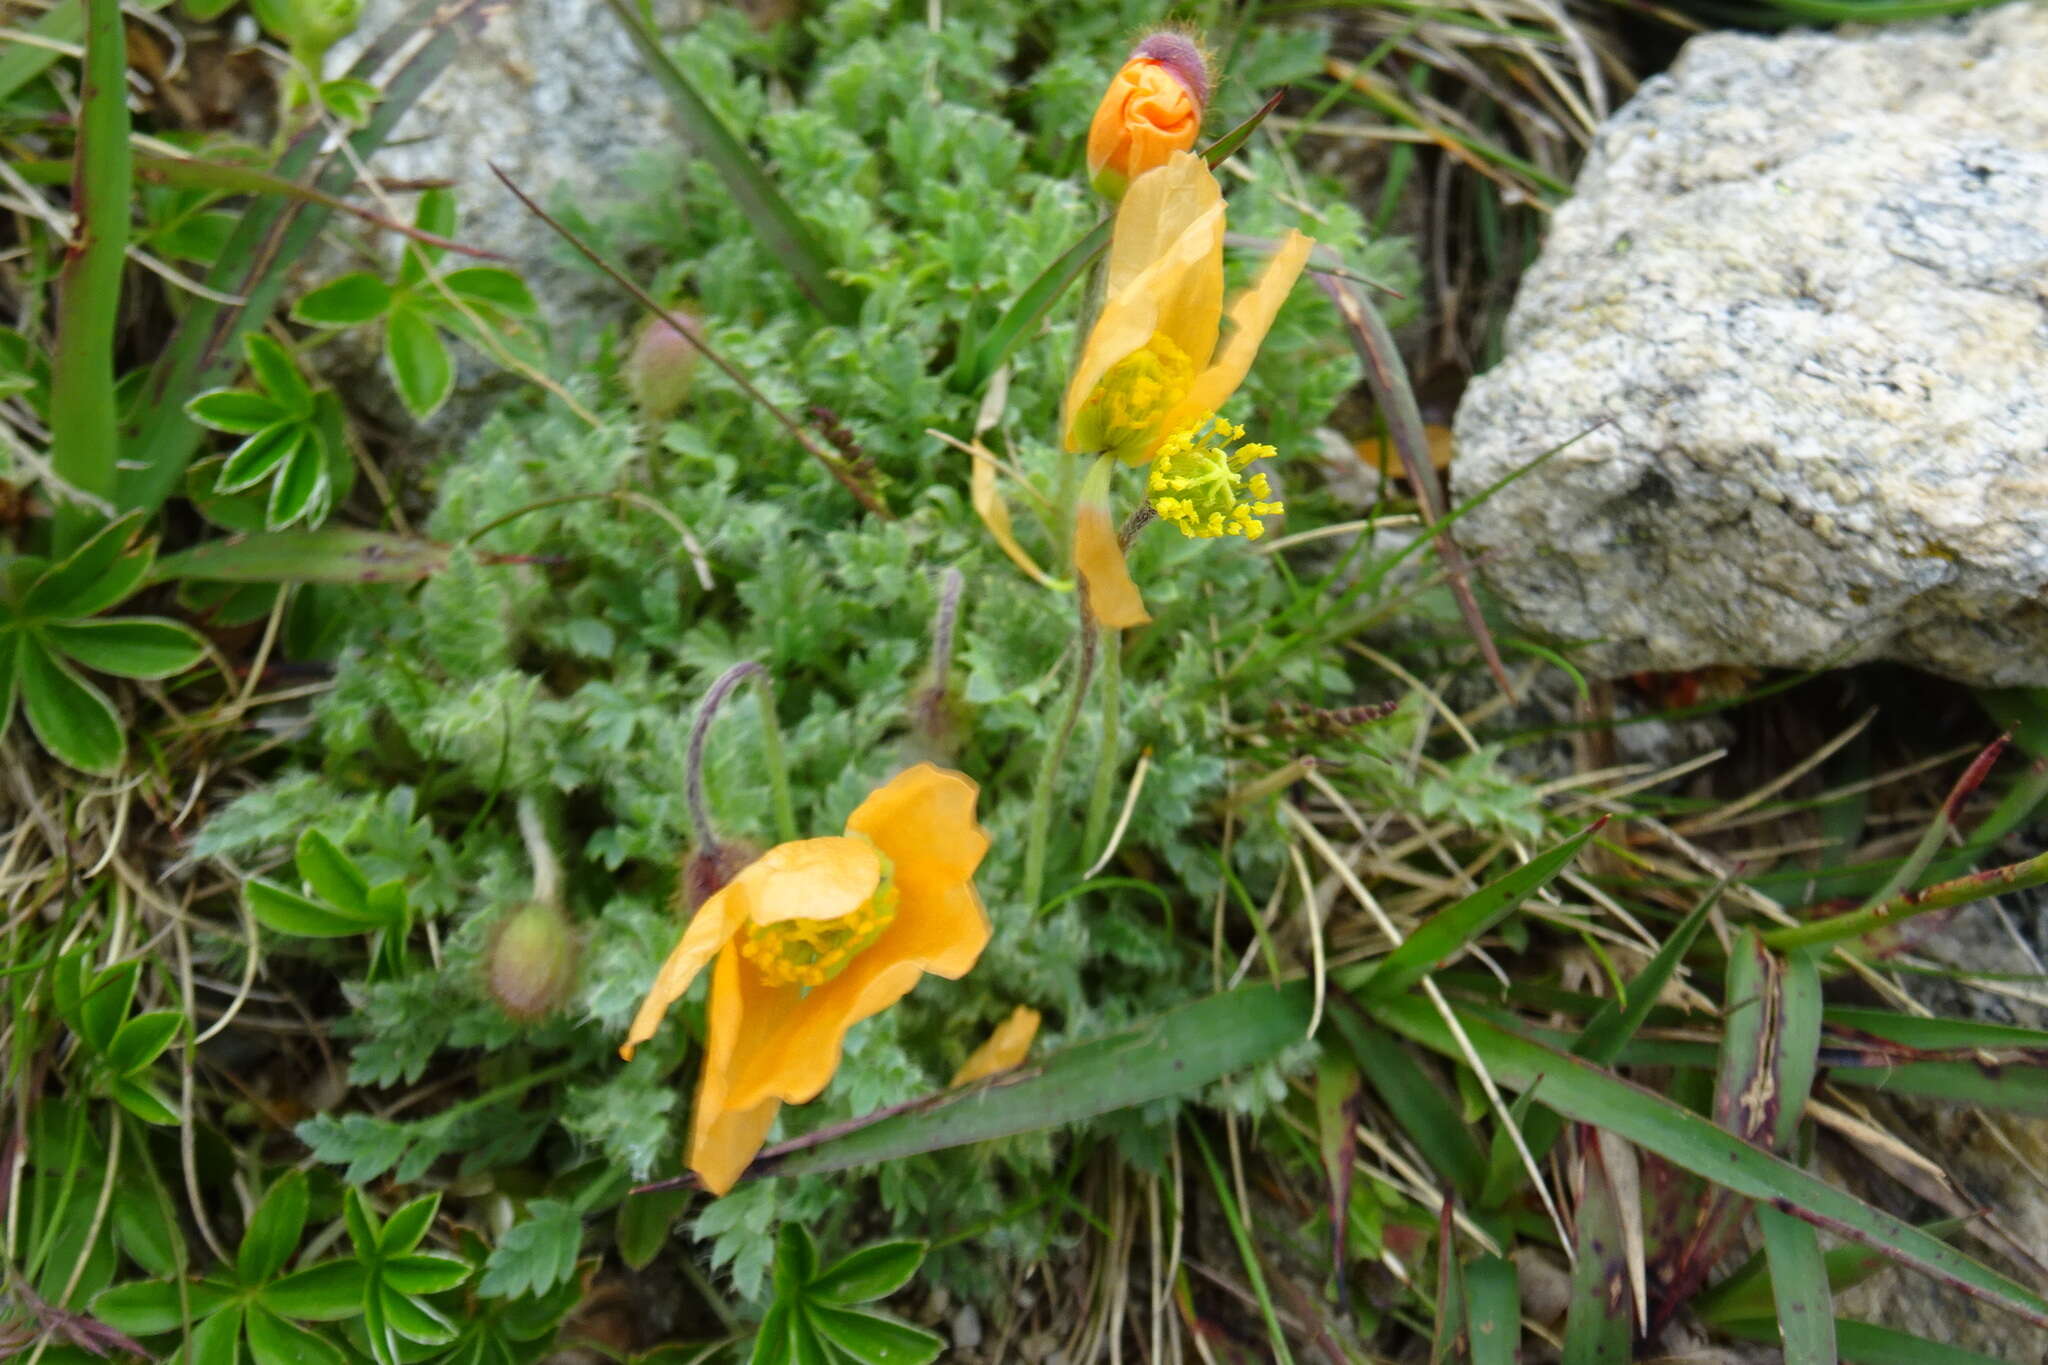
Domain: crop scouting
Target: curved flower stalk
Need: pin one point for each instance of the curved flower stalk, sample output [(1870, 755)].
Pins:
[(810, 939), (1157, 367), (1152, 109)]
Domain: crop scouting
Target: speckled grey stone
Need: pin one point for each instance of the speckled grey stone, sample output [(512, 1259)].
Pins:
[(1802, 280)]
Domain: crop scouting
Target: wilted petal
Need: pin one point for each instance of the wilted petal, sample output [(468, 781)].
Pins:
[(1098, 557), (1006, 1047), (1251, 317)]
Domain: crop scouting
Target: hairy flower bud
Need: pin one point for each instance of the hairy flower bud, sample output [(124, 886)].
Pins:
[(707, 870), (532, 961), (1153, 108), (662, 363)]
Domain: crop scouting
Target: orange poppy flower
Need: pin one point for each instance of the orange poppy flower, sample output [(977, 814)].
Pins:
[(1157, 366), (810, 939), (1152, 109)]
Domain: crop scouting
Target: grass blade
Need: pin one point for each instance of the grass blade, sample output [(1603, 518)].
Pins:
[(1865, 1343), (1588, 1094), (2019, 1088), (1493, 1311), (1176, 1053), (1246, 1251), (84, 436), (784, 234), (1799, 1286), (1448, 931), (1974, 886), (1600, 1323), (1420, 1106), (333, 555)]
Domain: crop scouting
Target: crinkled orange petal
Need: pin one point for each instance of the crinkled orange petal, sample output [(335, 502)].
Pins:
[(743, 1012), (1146, 115), (1007, 1046), (809, 878), (1098, 557), (923, 820), (1251, 317)]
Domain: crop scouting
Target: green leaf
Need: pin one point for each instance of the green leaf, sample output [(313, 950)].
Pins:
[(327, 1292), (1600, 1322), (1799, 1284), (424, 1272), (10, 645), (146, 1307), (130, 646), (1175, 1053), (1493, 1311), (345, 302), (413, 1318), (491, 285), (216, 1341), (334, 555), (276, 372), (2022, 1089), (536, 1253), (72, 718), (274, 1230), (104, 1004), (144, 1101), (257, 458), (365, 1233), (301, 491), (236, 410), (237, 512), (1031, 306), (273, 1341), (287, 912), (873, 1272), (643, 1225), (1588, 1094), (796, 1259), (143, 1039), (771, 1341), (329, 873), (872, 1338), (1417, 1103), (1449, 931), (408, 1224), (72, 586), (1864, 1343), (349, 100), (418, 361)]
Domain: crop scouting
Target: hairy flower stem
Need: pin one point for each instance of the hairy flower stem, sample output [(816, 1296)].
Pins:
[(540, 851), (1106, 754), (1040, 818), (771, 752)]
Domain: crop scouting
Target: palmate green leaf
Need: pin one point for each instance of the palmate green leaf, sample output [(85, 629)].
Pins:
[(275, 370), (143, 1039), (302, 490), (145, 1307), (492, 285), (1799, 1286), (239, 411), (643, 1225), (129, 646), (345, 302), (407, 1225), (1176, 1053), (328, 1292), (873, 1272), (104, 1002), (872, 1338), (423, 1272), (417, 360), (1581, 1091), (253, 461), (273, 1341), (216, 1341), (536, 1253), (771, 1340), (71, 718), (76, 585), (1448, 931), (144, 1101), (330, 874), (796, 1259), (413, 1318), (285, 911), (274, 1230)]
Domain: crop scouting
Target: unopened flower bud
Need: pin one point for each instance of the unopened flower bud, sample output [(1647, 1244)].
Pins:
[(532, 961), (661, 365), (707, 870), (1153, 109)]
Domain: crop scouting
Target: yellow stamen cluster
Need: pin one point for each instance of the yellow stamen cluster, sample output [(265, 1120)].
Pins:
[(1198, 482), (1131, 397), (810, 952)]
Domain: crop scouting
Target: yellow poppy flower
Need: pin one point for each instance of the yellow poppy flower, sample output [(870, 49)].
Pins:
[(1157, 367), (1152, 109), (810, 939)]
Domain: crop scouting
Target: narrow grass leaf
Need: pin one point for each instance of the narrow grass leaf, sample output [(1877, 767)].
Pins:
[(1418, 1104), (1176, 1053), (1247, 1249), (331, 555), (1589, 1094), (1799, 1287), (1865, 1343), (2020, 1087), (1931, 1034), (1599, 1324), (1449, 931), (1493, 1311)]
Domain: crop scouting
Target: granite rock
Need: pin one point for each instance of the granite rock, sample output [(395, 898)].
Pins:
[(1796, 314)]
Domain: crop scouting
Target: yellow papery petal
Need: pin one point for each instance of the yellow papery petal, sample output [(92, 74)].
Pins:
[(995, 513), (1251, 317), (710, 929), (743, 1011), (1099, 559), (1006, 1047), (812, 879)]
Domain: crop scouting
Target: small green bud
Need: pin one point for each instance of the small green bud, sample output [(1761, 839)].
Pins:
[(532, 961), (662, 363)]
